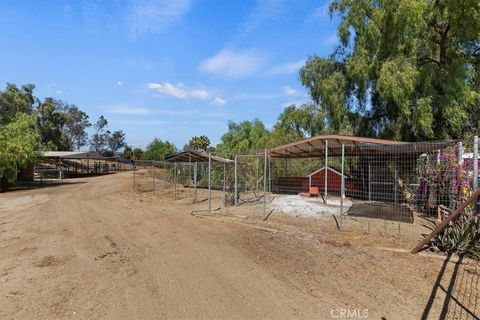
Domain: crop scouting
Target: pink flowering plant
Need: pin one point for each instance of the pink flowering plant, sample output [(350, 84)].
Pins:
[(445, 184)]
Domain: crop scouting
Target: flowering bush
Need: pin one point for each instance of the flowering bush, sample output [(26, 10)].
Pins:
[(446, 182)]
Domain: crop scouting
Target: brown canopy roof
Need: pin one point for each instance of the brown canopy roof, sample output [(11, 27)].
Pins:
[(354, 146), (194, 156)]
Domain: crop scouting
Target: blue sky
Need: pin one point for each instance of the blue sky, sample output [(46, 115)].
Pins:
[(168, 68)]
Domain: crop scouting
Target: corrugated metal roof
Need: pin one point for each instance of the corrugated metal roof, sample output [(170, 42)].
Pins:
[(72, 155), (354, 146), (194, 156)]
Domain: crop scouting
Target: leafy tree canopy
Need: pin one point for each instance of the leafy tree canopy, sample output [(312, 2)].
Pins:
[(14, 100), (18, 144), (243, 137), (407, 70), (157, 150), (199, 143)]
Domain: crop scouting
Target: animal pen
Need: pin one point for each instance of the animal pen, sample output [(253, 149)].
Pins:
[(69, 164), (368, 185)]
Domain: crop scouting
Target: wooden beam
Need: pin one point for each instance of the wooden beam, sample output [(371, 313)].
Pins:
[(445, 222)]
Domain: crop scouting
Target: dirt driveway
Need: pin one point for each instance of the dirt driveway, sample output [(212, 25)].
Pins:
[(93, 249)]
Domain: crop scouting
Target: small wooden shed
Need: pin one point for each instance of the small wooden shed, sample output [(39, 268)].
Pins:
[(334, 180)]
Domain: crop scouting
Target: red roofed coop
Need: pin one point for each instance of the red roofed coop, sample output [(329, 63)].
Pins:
[(334, 181)]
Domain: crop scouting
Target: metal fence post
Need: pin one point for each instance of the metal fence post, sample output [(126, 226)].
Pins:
[(475, 163), (325, 173), (342, 191), (195, 169), (265, 185), (175, 181), (369, 181), (235, 184), (269, 174), (209, 182), (395, 185)]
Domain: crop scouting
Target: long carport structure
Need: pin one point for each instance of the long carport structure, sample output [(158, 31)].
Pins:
[(79, 160)]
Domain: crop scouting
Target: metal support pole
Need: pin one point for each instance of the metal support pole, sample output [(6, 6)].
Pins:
[(189, 169), (195, 169), (209, 182), (235, 183), (269, 174), (258, 168), (342, 187), (475, 163), (395, 186), (325, 193), (369, 181), (265, 185), (175, 181), (224, 189), (224, 176)]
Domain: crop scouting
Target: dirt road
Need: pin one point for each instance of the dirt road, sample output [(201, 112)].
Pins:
[(93, 249)]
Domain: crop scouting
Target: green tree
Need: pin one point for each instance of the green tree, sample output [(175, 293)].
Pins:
[(199, 143), (296, 123), (18, 144), (14, 100), (127, 152), (137, 154), (158, 149), (98, 142), (404, 69), (246, 136), (51, 120), (76, 124), (116, 140)]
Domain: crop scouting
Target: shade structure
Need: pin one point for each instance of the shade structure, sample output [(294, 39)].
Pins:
[(194, 156), (73, 155), (315, 147)]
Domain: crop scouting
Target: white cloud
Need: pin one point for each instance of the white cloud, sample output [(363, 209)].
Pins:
[(59, 92), (320, 13), (119, 83), (234, 64), (218, 101), (287, 68), (178, 91), (155, 15), (263, 12), (289, 91)]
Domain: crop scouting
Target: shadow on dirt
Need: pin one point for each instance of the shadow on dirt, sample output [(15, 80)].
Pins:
[(461, 291)]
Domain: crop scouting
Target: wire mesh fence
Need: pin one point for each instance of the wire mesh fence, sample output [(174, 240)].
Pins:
[(369, 186)]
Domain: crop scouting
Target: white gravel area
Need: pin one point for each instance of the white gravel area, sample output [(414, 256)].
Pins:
[(299, 206)]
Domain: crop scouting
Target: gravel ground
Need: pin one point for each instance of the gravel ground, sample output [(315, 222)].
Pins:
[(300, 206)]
